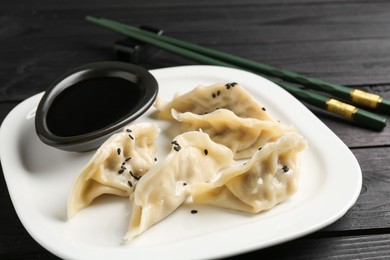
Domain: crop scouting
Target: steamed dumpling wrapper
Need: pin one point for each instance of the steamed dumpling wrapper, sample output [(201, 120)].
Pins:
[(116, 166), (268, 178), (206, 99), (242, 135), (194, 158), (223, 122)]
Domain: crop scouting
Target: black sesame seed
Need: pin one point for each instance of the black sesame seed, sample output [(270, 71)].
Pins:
[(132, 138), (130, 183), (118, 151), (127, 159), (128, 130), (285, 168), (228, 85), (263, 108), (218, 92), (135, 177), (155, 159), (177, 146), (123, 163), (123, 167), (206, 151), (260, 148), (213, 95), (121, 171), (194, 211), (184, 183)]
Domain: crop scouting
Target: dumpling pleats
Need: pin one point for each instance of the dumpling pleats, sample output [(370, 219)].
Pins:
[(116, 166), (206, 99), (242, 135), (194, 158), (268, 178)]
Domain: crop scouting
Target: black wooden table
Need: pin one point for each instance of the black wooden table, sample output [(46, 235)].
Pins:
[(345, 42)]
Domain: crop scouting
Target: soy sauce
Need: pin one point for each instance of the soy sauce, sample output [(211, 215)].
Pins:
[(92, 104)]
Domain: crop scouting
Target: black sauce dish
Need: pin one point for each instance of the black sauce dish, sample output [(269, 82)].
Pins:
[(87, 104)]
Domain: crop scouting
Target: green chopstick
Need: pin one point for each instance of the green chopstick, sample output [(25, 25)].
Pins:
[(360, 116), (357, 96)]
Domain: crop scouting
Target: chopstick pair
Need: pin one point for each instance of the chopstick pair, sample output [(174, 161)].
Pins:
[(213, 57)]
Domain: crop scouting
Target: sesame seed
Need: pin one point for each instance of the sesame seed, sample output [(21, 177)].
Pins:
[(206, 151), (135, 177), (285, 168), (213, 95), (228, 85), (127, 159), (121, 171), (263, 108), (194, 211), (130, 183), (177, 146), (118, 151), (131, 137)]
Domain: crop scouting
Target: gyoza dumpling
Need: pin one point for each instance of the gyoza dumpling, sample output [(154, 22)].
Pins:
[(268, 178), (116, 166), (206, 99), (242, 135), (194, 158)]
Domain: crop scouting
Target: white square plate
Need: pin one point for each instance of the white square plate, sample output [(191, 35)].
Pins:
[(39, 178)]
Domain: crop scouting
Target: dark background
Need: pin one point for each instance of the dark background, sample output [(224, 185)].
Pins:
[(344, 42)]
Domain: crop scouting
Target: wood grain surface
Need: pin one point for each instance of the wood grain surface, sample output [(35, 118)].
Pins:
[(345, 42)]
